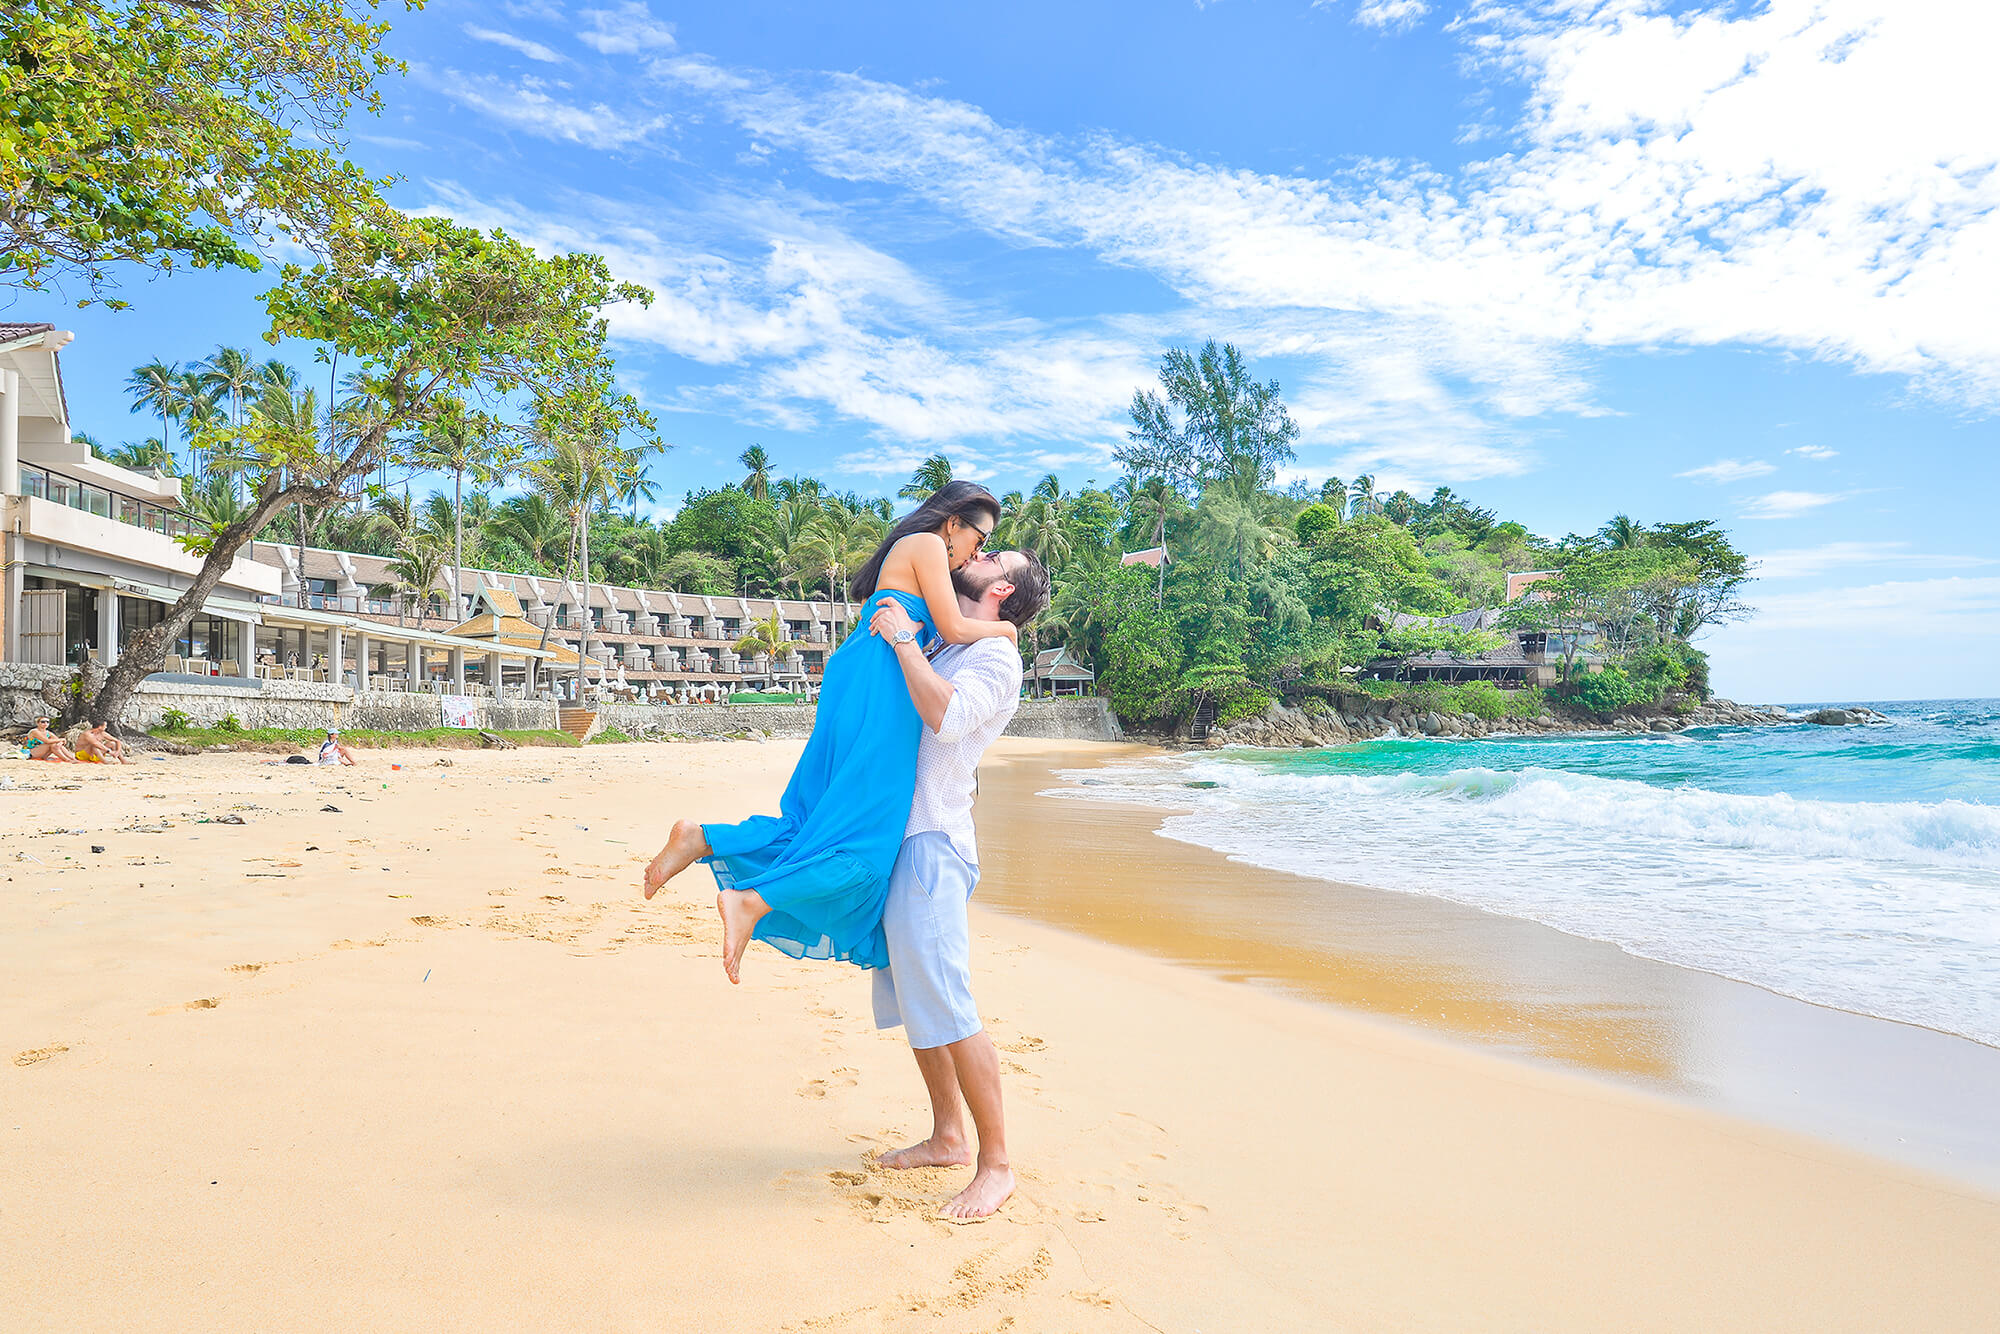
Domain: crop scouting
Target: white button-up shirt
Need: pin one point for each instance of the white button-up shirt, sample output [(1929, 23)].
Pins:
[(985, 677)]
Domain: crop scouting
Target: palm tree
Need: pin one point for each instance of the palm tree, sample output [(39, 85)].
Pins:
[(229, 373), (214, 503), (419, 566), (766, 637), (160, 387), (1333, 492), (1232, 530), (1040, 525), (1152, 502), (288, 419), (1363, 493), (931, 474), (757, 478), (849, 534), (1622, 533), (461, 442), (1402, 508), (147, 454), (533, 524), (797, 543)]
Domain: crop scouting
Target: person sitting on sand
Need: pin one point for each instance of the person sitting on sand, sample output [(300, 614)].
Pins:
[(331, 751), (42, 744), (811, 880), (97, 746)]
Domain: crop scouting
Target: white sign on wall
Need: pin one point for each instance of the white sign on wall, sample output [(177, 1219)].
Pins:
[(461, 711)]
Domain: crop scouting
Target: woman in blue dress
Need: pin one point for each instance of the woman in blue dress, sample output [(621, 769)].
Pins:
[(812, 879)]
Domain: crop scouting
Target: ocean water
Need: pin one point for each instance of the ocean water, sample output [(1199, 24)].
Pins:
[(1856, 867)]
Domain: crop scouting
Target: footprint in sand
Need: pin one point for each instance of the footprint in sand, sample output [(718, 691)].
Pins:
[(205, 1003), (432, 921), (840, 1079), (1021, 1046), (39, 1054), (248, 967)]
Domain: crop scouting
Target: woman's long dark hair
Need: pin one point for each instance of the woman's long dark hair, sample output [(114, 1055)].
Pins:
[(959, 500)]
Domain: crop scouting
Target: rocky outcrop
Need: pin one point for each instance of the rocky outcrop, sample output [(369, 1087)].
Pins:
[(1852, 716), (1359, 717)]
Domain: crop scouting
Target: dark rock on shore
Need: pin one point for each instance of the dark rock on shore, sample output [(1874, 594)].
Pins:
[(1358, 717)]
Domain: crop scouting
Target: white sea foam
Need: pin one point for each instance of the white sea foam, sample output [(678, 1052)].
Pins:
[(1889, 908)]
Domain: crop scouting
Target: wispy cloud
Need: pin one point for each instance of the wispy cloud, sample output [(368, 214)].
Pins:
[(530, 106), (626, 30), (1808, 562), (1957, 606), (1788, 504), (532, 50), (1817, 453), (1389, 14), (1729, 470)]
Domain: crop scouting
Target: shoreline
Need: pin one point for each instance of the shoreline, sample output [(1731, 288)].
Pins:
[(427, 1061), (1908, 1093)]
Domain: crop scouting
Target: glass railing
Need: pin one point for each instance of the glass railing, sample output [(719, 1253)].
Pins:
[(60, 490)]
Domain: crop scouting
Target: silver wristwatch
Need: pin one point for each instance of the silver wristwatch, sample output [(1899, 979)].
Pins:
[(902, 637)]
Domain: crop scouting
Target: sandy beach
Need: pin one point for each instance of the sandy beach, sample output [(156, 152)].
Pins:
[(427, 1061)]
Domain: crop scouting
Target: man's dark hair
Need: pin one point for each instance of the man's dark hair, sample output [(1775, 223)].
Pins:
[(1031, 592)]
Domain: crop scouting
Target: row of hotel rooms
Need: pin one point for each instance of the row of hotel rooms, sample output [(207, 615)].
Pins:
[(91, 559)]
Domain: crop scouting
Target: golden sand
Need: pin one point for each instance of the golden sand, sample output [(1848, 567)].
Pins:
[(428, 1062)]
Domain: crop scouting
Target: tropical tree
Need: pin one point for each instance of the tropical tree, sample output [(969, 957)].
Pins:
[(436, 311), (798, 548), (419, 565), (159, 135), (463, 441), (766, 637), (1215, 423), (933, 473), (1363, 497), (533, 525), (159, 387), (757, 465), (139, 457), (1622, 533)]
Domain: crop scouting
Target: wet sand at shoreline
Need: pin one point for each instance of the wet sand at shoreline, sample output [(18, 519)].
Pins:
[(428, 1062), (1908, 1093)]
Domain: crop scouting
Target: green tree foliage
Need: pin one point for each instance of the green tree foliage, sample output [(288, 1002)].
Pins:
[(158, 133), (434, 314), (1215, 423)]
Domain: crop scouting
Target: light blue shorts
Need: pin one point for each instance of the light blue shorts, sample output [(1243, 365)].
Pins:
[(927, 987)]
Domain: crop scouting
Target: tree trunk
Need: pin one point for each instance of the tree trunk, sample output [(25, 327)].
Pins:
[(458, 546), (147, 651), (583, 587)]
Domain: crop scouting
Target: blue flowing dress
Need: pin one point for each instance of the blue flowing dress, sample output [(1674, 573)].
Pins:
[(823, 862)]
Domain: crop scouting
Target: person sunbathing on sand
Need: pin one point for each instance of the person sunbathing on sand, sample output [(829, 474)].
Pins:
[(98, 746), (42, 744)]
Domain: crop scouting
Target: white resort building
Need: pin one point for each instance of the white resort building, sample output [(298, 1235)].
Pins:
[(91, 559)]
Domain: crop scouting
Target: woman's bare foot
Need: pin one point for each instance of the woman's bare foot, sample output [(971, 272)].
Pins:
[(741, 910), (989, 1189), (933, 1152), (685, 846)]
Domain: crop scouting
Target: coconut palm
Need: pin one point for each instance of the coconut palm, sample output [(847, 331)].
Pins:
[(1151, 503), (1237, 531), (757, 475), (766, 637), (797, 544), (1041, 525), (419, 565), (1362, 491), (931, 474), (147, 454), (533, 524), (159, 387), (459, 442), (1623, 533)]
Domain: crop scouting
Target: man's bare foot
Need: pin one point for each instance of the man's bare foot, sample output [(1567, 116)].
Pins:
[(685, 847), (989, 1189), (741, 910), (933, 1152)]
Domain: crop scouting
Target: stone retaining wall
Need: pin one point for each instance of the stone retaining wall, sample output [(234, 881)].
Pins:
[(288, 704), (1059, 719)]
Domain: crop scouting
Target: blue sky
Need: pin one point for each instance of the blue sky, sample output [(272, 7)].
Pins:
[(1570, 258)]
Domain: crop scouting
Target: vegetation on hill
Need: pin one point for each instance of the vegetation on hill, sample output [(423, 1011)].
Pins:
[(1267, 590)]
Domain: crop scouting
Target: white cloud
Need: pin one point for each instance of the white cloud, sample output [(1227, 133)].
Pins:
[(1808, 562), (529, 107), (1925, 609), (626, 30), (811, 320), (1729, 470), (1787, 504), (1731, 175), (532, 50), (1390, 14), (1817, 453)]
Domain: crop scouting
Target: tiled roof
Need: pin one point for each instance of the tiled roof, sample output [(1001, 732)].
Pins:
[(9, 330)]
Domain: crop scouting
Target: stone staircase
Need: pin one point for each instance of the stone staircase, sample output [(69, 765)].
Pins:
[(579, 723)]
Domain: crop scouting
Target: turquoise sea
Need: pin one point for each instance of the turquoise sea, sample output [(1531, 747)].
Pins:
[(1856, 867)]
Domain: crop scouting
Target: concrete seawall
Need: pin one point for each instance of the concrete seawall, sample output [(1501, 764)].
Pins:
[(1059, 719), (307, 704)]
